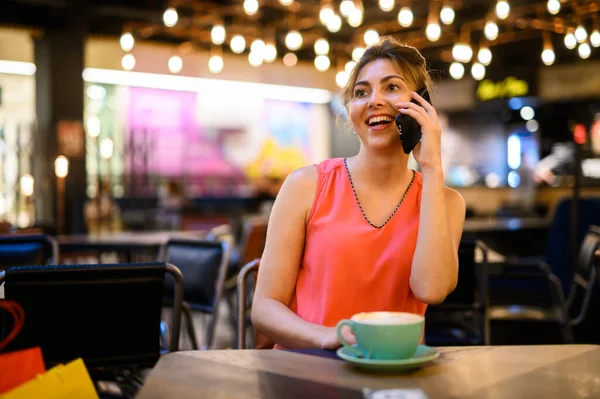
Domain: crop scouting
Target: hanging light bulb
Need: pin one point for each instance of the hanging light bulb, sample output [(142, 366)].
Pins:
[(502, 9), (255, 59), (357, 53), (491, 30), (595, 38), (387, 5), (355, 19), (584, 50), (405, 17), (457, 70), (215, 64), (346, 7), (170, 17), (462, 52), (290, 59), (325, 14), (237, 44), (127, 41), (250, 7), (553, 6), (128, 62), (548, 56), (321, 47), (371, 37), (570, 40), (580, 34), (349, 66), (477, 71), (334, 24), (270, 53), (217, 34), (484, 55), (433, 31), (341, 79), (175, 64), (322, 62), (293, 40), (447, 14), (286, 2), (258, 47)]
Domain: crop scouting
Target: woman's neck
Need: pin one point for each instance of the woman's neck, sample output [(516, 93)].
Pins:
[(379, 170)]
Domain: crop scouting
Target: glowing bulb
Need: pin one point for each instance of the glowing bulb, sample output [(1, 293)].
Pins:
[(255, 59), (325, 14), (553, 6), (371, 36), (433, 32), (322, 62), (61, 166), (217, 34), (237, 44), (355, 18), (387, 5), (346, 7), (341, 79), (250, 7), (477, 71), (484, 56), (457, 70), (270, 53), (293, 40), (334, 24), (106, 148), (321, 47), (349, 67), (127, 41), (286, 2), (462, 52), (93, 126), (584, 50), (491, 30), (548, 56), (527, 113), (215, 64), (258, 47), (447, 15), (595, 38), (580, 34), (175, 64), (128, 62), (170, 17), (570, 41), (502, 9), (27, 185), (290, 59), (357, 53), (405, 17)]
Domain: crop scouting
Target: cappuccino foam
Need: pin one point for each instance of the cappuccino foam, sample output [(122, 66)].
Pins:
[(386, 318)]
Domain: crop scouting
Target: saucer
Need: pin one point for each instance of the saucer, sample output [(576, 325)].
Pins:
[(424, 355)]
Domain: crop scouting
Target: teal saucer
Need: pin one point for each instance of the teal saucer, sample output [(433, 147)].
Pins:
[(424, 355)]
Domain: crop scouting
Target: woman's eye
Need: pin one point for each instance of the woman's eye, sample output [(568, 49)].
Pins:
[(392, 86), (359, 92)]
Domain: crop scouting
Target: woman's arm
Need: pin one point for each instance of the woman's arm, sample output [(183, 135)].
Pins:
[(280, 265), (435, 263)]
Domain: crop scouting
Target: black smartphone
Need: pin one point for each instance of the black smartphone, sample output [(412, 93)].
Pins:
[(409, 129)]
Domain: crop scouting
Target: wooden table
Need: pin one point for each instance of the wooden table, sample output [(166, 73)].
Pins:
[(556, 371)]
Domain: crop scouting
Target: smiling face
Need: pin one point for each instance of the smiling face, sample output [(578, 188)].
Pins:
[(380, 85)]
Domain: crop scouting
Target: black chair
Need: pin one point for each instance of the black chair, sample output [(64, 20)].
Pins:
[(203, 264), (560, 309), (27, 249), (109, 315), (462, 318)]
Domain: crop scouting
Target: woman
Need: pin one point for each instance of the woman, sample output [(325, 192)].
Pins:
[(364, 233)]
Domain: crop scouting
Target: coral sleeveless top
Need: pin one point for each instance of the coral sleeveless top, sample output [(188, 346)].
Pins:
[(348, 265)]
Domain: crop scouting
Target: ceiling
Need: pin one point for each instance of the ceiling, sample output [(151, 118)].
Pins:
[(520, 38)]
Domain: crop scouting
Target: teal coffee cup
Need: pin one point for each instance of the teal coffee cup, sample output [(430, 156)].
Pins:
[(384, 335)]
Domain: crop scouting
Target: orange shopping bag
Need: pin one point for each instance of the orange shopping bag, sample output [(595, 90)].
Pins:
[(21, 366)]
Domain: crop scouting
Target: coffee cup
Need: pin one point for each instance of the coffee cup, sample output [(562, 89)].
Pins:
[(384, 335)]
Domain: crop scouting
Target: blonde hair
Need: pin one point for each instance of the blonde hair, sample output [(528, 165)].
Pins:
[(406, 58)]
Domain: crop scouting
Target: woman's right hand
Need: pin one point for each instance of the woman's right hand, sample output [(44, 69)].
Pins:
[(330, 339)]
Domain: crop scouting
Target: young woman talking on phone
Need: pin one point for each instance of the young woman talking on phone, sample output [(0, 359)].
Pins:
[(364, 233)]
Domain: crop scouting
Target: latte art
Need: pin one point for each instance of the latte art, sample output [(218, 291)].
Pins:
[(387, 318)]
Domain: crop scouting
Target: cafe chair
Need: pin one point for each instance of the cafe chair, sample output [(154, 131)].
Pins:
[(107, 314), (561, 309), (203, 264), (462, 318), (245, 290), (27, 249)]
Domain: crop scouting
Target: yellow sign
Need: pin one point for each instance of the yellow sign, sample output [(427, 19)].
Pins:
[(509, 87)]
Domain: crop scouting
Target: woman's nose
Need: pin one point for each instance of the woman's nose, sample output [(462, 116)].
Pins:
[(376, 99)]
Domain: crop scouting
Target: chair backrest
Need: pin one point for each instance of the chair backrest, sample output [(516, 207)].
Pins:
[(109, 315), (585, 259), (243, 293), (254, 237), (203, 264), (27, 249)]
